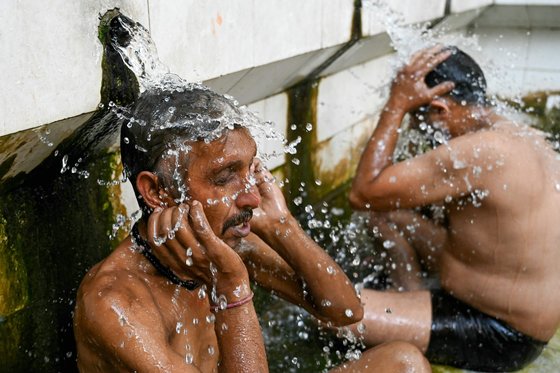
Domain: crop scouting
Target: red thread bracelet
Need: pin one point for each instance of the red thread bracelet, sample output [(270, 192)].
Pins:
[(238, 303)]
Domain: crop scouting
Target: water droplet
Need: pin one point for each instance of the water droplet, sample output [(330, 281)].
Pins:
[(388, 244), (348, 313), (222, 302), (171, 234), (213, 269), (189, 358), (64, 164), (211, 350), (457, 164), (202, 292)]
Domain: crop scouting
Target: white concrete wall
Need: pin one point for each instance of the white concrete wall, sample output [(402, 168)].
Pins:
[(51, 59), (255, 49), (51, 56)]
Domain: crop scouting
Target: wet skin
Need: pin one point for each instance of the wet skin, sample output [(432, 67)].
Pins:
[(129, 317), (496, 179)]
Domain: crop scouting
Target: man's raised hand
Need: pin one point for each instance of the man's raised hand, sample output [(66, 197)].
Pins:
[(409, 90)]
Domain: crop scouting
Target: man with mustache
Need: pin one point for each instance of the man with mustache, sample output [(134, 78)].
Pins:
[(175, 295), (496, 254)]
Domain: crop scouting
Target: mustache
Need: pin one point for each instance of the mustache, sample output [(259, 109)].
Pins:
[(243, 216)]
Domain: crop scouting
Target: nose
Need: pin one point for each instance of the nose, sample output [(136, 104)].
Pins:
[(248, 198)]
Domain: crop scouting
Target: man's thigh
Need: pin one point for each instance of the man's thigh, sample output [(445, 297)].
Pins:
[(425, 235)]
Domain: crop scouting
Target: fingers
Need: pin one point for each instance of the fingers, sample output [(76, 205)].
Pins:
[(425, 60), (263, 178), (158, 231), (434, 60), (423, 55), (153, 226), (201, 226), (261, 172), (162, 224), (184, 235), (258, 165), (441, 89)]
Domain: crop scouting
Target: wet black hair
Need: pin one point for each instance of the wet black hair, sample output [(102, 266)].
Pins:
[(164, 120), (461, 69)]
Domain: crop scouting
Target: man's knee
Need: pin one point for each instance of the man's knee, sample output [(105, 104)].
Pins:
[(399, 357)]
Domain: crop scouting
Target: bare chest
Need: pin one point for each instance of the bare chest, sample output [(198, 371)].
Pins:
[(190, 327)]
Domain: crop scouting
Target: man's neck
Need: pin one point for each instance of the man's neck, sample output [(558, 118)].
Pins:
[(475, 119)]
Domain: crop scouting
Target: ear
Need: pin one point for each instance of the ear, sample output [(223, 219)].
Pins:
[(440, 106), (149, 187)]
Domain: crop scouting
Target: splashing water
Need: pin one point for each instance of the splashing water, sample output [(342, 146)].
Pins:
[(349, 242), (139, 54)]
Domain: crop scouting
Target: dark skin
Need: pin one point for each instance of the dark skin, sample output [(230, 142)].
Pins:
[(130, 317), (497, 179)]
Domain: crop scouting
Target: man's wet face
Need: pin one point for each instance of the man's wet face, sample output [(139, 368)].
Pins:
[(220, 176)]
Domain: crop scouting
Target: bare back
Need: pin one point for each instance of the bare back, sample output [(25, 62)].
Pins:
[(503, 247)]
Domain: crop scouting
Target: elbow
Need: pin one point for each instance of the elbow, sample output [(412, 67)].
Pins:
[(346, 318), (357, 314), (356, 200)]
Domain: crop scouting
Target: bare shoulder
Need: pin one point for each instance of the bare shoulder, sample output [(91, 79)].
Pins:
[(483, 143), (115, 276), (486, 150), (108, 295)]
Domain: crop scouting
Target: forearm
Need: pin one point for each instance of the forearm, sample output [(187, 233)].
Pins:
[(378, 153), (328, 293), (240, 340), (237, 329)]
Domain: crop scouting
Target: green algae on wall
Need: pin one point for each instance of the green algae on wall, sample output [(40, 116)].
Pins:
[(13, 296), (535, 104), (51, 233), (299, 167)]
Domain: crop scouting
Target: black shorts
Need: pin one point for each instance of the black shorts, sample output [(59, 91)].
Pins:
[(466, 338)]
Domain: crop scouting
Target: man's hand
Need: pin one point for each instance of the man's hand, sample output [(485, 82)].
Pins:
[(409, 90), (182, 237), (273, 208)]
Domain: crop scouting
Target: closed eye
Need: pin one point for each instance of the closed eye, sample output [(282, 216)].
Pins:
[(224, 177)]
